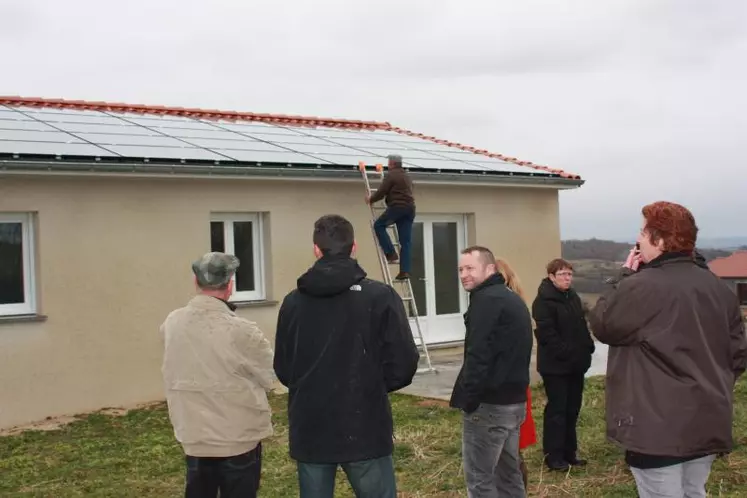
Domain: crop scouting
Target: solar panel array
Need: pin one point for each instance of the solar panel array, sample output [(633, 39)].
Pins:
[(100, 134)]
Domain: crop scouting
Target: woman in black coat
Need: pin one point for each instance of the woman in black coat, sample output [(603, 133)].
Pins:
[(564, 349)]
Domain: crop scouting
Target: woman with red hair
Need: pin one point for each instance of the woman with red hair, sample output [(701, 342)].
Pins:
[(527, 432), (677, 346)]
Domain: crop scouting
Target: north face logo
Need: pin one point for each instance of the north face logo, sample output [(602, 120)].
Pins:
[(356, 287)]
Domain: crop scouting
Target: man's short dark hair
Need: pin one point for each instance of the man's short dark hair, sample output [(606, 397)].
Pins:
[(395, 160), (485, 255), (334, 235)]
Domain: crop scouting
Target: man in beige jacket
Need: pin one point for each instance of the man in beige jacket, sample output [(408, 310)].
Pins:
[(217, 368)]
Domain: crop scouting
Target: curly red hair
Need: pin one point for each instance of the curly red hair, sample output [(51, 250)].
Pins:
[(672, 223)]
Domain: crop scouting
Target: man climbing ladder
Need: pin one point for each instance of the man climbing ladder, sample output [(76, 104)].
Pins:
[(402, 218), (396, 189)]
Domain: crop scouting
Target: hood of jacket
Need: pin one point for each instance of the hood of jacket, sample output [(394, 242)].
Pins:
[(547, 290), (330, 276)]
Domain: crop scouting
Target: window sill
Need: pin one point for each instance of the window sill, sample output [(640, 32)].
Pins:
[(22, 318), (254, 304)]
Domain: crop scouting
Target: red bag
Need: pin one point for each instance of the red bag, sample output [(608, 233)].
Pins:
[(528, 433)]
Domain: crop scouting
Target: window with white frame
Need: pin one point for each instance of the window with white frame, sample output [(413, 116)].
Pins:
[(241, 235), (16, 265)]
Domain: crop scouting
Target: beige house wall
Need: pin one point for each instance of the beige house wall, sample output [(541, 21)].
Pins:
[(113, 258)]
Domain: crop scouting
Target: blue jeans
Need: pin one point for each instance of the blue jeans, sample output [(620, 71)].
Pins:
[(368, 478), (235, 477), (490, 449), (403, 217)]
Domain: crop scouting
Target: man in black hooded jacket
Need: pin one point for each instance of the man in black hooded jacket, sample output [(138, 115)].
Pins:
[(343, 342)]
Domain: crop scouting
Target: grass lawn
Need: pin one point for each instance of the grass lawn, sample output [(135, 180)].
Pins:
[(135, 455)]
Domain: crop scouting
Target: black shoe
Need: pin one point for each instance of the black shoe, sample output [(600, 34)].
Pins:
[(403, 275), (556, 463), (392, 258), (576, 462)]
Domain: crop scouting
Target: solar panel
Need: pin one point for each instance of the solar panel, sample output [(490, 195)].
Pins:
[(457, 155), (82, 117), (290, 139), (122, 129), (49, 135), (324, 148), (283, 157), (8, 124), (245, 144), (436, 148), (333, 133), (139, 151), (166, 122), (6, 113), (367, 143), (444, 165), (208, 133), (352, 160), (52, 148), (254, 128), (393, 136), (122, 139), (52, 110), (498, 165)]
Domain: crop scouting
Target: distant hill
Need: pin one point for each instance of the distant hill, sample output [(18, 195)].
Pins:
[(609, 250), (727, 243), (598, 249), (594, 260)]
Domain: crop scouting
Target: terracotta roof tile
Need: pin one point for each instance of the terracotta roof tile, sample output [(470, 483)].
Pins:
[(734, 266), (310, 121)]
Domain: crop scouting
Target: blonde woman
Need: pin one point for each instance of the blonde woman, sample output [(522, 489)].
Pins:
[(528, 434)]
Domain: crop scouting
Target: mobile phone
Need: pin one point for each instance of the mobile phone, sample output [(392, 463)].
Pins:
[(637, 246)]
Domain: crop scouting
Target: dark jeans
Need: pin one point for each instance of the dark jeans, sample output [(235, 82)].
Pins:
[(235, 477), (403, 217), (564, 396), (369, 478), (490, 450)]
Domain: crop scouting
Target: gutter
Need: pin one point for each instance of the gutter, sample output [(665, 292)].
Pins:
[(263, 172)]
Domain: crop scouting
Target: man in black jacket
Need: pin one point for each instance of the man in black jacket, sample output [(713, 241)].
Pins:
[(491, 388), (564, 349), (343, 343)]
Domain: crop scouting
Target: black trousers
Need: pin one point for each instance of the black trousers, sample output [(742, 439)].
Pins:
[(564, 397), (235, 477)]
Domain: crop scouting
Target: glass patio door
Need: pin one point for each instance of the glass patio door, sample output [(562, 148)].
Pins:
[(436, 244)]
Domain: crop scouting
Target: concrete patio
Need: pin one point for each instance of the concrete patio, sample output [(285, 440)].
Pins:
[(448, 361)]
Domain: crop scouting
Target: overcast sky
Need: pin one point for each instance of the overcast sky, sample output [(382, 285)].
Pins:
[(646, 99)]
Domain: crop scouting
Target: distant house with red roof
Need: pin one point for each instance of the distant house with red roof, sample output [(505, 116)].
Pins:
[(733, 270)]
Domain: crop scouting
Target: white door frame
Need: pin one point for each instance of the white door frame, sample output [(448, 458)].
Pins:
[(432, 322)]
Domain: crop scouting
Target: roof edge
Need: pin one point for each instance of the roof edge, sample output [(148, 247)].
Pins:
[(16, 167)]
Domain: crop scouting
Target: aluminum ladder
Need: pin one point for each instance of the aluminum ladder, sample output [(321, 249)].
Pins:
[(405, 286)]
